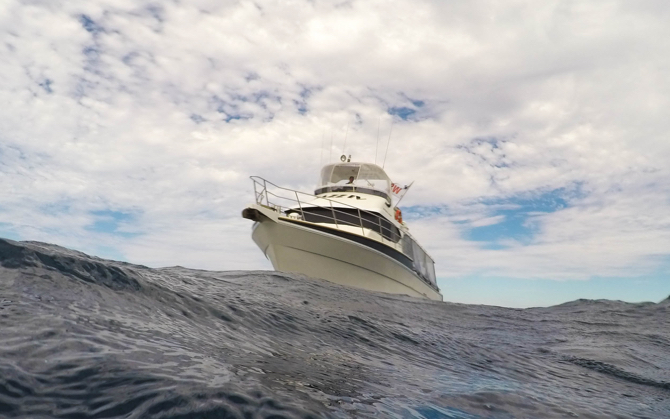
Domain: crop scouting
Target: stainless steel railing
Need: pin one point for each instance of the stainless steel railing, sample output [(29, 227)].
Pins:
[(287, 201)]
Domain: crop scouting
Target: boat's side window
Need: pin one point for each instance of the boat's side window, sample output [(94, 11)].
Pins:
[(342, 196)]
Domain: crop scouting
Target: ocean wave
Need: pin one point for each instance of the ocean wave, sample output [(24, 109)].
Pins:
[(84, 337)]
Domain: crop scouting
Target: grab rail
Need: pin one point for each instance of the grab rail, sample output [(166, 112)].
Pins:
[(285, 202)]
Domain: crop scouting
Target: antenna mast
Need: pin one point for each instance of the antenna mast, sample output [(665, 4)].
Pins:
[(323, 136), (330, 156), (387, 144), (377, 148), (345, 139)]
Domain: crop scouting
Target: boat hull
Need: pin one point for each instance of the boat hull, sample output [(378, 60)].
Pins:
[(292, 247)]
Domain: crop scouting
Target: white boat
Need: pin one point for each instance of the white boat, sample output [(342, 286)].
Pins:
[(347, 232)]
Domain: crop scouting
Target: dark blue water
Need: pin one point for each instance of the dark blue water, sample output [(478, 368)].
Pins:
[(82, 337)]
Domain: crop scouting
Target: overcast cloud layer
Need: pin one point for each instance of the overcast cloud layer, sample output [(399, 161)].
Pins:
[(129, 128)]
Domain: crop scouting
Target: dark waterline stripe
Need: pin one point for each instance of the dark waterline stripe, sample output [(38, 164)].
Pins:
[(373, 244)]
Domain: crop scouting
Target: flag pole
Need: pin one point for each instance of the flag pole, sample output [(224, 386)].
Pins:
[(403, 195)]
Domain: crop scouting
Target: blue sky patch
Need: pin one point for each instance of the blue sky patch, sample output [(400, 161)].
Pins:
[(46, 85), (107, 252), (110, 222), (403, 112), (494, 156), (485, 288), (89, 24), (422, 211), (7, 232), (197, 118), (230, 110), (517, 218), (408, 112), (512, 219), (301, 106), (516, 225), (230, 117), (91, 53)]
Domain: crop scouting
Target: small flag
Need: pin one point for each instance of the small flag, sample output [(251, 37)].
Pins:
[(399, 191)]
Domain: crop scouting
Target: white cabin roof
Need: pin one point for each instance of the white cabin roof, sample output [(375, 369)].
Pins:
[(359, 175)]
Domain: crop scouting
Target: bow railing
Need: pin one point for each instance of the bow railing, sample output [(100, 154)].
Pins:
[(310, 208)]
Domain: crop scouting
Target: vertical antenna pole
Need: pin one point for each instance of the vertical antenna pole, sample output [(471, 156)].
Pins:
[(345, 139), (377, 148), (323, 135), (388, 143), (330, 156)]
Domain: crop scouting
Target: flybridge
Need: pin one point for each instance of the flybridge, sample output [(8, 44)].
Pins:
[(343, 177), (366, 178)]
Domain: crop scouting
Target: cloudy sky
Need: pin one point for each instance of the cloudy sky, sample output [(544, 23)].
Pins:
[(537, 133)]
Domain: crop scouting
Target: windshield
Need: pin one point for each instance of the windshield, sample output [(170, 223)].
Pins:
[(363, 175)]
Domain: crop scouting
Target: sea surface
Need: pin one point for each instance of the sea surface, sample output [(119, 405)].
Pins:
[(83, 337)]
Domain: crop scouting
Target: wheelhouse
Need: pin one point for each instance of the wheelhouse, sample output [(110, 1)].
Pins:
[(364, 178)]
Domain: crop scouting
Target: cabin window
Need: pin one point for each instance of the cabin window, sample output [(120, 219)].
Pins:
[(350, 217), (354, 177), (422, 263)]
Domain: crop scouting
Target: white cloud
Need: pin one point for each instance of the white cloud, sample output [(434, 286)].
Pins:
[(487, 221), (163, 111)]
